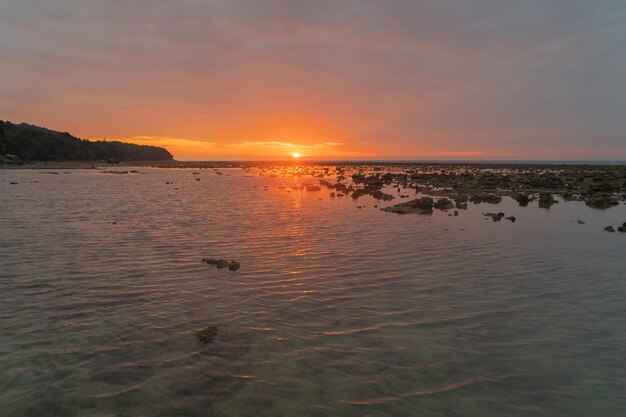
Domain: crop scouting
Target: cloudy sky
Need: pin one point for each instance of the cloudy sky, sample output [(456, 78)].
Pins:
[(244, 79)]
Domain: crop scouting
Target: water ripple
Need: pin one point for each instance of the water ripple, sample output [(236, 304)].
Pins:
[(335, 311)]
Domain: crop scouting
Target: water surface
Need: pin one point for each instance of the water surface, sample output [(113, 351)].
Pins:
[(335, 311)]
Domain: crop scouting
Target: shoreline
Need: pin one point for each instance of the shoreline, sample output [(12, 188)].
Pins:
[(266, 164)]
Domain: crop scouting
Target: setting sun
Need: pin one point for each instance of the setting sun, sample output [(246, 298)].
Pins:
[(296, 155)]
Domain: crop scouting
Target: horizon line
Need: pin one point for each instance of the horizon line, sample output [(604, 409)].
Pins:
[(293, 160)]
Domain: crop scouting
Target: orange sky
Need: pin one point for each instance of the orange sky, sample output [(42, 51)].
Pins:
[(280, 139), (248, 80)]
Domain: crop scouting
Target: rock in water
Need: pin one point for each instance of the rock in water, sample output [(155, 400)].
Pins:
[(208, 334), (601, 201), (222, 263), (522, 199), (443, 204), (485, 198), (422, 205), (609, 229), (546, 200), (496, 217)]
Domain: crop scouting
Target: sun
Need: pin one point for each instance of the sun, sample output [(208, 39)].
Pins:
[(296, 155)]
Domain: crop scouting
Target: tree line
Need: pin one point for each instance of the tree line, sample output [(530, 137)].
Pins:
[(34, 143)]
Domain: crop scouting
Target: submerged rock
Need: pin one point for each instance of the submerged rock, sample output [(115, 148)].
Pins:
[(221, 264), (609, 229), (422, 205), (208, 334), (496, 217)]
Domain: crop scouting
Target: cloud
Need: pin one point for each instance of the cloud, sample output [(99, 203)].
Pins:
[(279, 149), (164, 141), (284, 145), (535, 78)]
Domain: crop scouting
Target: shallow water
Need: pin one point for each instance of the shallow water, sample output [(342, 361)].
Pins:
[(335, 311)]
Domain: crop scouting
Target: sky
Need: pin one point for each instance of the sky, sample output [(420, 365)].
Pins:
[(329, 79)]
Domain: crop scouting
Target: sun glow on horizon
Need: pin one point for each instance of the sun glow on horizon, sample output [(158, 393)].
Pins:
[(196, 148)]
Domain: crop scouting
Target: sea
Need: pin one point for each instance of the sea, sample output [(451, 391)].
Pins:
[(338, 308)]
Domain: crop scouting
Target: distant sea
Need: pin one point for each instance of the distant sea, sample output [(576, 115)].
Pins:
[(430, 161)]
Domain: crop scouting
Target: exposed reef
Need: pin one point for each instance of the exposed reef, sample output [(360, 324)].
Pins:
[(621, 229), (599, 186), (546, 200), (422, 205), (602, 201)]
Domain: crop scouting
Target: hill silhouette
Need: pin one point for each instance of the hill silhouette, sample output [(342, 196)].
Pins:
[(34, 143)]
